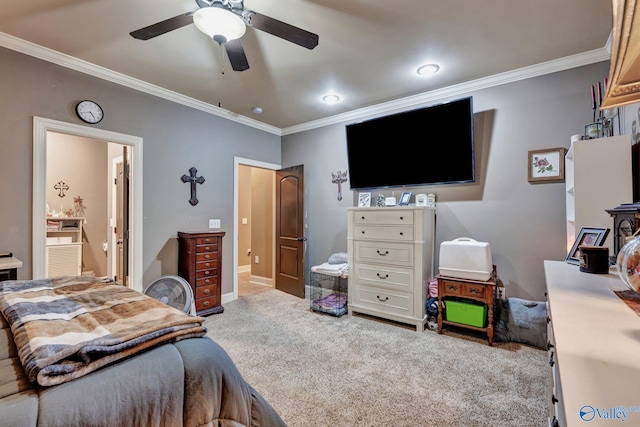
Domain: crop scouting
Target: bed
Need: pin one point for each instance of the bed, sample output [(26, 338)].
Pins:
[(166, 375)]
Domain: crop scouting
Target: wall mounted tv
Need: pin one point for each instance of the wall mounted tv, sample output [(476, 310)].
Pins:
[(427, 146)]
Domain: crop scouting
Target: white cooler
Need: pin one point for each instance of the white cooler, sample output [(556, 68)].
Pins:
[(466, 258)]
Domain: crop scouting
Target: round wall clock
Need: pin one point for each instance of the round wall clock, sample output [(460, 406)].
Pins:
[(89, 111)]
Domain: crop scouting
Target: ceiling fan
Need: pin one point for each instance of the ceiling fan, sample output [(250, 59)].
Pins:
[(224, 21)]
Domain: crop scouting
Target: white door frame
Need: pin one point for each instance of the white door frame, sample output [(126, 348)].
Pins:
[(237, 161), (40, 128)]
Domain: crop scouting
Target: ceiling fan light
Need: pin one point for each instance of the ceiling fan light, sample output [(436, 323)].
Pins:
[(214, 21)]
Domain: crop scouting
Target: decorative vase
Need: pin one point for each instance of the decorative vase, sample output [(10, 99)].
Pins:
[(628, 263)]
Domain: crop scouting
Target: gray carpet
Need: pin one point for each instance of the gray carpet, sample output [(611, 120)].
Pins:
[(319, 370)]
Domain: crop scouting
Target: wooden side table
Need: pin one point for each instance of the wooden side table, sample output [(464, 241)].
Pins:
[(477, 290)]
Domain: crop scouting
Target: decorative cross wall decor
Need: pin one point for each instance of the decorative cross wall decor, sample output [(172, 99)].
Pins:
[(61, 187), (193, 179), (338, 178)]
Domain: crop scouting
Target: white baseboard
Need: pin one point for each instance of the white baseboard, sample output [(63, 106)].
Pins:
[(260, 280), (244, 268)]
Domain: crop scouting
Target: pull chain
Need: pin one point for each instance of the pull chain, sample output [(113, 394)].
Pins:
[(221, 74)]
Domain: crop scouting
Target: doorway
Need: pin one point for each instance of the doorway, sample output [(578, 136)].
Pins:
[(285, 272), (42, 128), (243, 254)]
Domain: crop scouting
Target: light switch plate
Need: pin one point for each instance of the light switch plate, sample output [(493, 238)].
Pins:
[(214, 223)]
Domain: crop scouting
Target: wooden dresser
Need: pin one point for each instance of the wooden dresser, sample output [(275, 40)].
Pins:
[(390, 254), (477, 290), (200, 263)]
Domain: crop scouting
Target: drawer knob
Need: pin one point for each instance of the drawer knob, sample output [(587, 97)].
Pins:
[(363, 217), (206, 256), (401, 218), (401, 233), (380, 276), (207, 248), (452, 287), (362, 231), (207, 240), (206, 303), (206, 291), (385, 253), (207, 265), (383, 300), (554, 399), (207, 281), (474, 291)]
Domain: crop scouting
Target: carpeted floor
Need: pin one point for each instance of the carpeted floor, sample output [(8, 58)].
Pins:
[(319, 370)]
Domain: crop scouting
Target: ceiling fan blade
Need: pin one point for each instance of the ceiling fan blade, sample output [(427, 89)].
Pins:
[(236, 55), (162, 27), (281, 29)]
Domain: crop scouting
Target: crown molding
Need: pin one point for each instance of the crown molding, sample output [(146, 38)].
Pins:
[(67, 61), (561, 64)]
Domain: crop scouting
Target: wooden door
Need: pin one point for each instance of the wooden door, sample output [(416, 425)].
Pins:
[(122, 220), (290, 236)]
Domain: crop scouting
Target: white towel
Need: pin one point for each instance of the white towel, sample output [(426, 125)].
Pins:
[(332, 269)]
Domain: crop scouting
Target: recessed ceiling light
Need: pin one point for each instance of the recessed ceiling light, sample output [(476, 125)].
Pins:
[(330, 99), (256, 110), (428, 69)]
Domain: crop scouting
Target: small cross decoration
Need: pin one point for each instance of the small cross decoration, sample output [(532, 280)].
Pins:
[(193, 179), (61, 187), (338, 178)]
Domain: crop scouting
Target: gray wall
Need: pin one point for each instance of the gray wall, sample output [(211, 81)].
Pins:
[(175, 137), (523, 222)]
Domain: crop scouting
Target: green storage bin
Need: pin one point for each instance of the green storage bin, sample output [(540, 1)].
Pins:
[(466, 312)]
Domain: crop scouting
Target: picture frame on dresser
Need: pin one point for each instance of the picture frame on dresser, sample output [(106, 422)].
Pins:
[(364, 200), (546, 165), (593, 236), (405, 198)]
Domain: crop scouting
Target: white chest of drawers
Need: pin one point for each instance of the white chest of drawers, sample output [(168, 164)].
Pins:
[(391, 262)]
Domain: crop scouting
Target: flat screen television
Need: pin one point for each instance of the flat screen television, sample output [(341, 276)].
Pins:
[(427, 146)]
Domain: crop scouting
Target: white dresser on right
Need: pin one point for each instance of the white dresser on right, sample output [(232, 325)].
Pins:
[(390, 253), (593, 349)]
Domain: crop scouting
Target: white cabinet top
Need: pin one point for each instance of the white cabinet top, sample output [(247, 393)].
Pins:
[(10, 262), (597, 340)]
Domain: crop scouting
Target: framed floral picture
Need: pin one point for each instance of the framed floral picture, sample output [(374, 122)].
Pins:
[(546, 165)]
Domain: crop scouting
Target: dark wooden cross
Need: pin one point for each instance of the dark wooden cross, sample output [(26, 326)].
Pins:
[(61, 186), (193, 179), (339, 178)]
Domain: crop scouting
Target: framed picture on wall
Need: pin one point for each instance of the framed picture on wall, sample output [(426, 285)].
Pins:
[(546, 165), (588, 236), (364, 200)]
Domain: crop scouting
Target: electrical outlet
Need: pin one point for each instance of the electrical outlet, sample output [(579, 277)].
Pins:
[(245, 221), (214, 223), (257, 259)]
